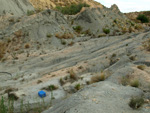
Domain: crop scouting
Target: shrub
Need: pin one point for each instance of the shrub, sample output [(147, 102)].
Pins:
[(106, 31), (141, 67), (52, 87), (133, 58), (63, 42), (71, 43), (138, 27), (135, 83), (27, 46), (64, 35), (73, 75), (125, 81), (78, 29), (62, 82), (30, 12), (18, 33), (102, 35), (77, 86), (72, 9), (49, 35), (136, 102), (143, 18), (115, 21)]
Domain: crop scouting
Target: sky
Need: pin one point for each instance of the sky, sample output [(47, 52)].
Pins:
[(128, 5)]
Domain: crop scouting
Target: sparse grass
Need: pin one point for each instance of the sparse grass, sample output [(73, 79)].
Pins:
[(127, 81), (3, 107), (98, 78), (106, 31), (7, 106), (136, 102), (141, 67), (50, 88), (135, 83), (146, 44)]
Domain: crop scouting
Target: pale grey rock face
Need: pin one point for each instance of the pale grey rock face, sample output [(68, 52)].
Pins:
[(15, 7), (104, 97)]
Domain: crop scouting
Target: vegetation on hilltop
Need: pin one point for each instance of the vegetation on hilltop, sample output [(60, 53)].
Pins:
[(143, 18), (72, 9)]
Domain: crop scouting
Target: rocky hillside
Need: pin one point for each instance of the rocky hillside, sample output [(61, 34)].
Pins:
[(96, 20), (80, 61), (44, 4), (134, 15), (15, 7)]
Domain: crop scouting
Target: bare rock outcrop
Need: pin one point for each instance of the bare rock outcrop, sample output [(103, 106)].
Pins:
[(15, 7)]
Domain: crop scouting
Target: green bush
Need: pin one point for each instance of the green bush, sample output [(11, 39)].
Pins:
[(78, 29), (135, 83), (30, 12), (143, 18), (106, 31), (136, 102), (77, 86), (72, 9)]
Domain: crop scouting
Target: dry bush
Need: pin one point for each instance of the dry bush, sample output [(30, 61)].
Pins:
[(3, 48), (98, 78), (131, 29), (125, 80), (27, 46), (124, 30), (71, 43), (73, 75), (135, 83), (62, 82), (18, 33), (138, 27), (141, 67), (64, 35)]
